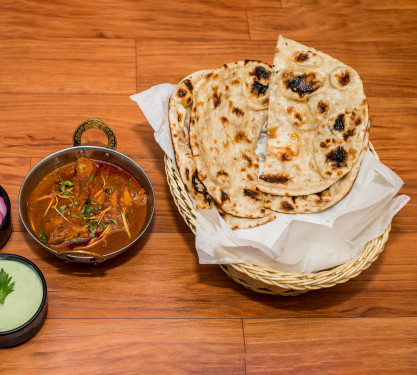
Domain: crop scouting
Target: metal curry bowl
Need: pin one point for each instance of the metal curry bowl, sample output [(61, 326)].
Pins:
[(68, 155)]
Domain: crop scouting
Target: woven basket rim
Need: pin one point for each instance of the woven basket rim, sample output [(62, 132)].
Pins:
[(272, 277)]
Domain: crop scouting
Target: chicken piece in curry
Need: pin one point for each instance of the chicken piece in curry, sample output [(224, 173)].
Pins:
[(87, 205)]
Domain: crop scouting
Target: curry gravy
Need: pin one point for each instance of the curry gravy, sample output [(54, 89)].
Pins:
[(88, 205)]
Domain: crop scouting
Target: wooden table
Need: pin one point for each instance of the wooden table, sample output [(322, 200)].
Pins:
[(155, 309)]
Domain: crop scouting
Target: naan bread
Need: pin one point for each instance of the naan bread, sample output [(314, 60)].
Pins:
[(179, 118), (228, 114), (316, 202), (317, 121), (237, 222)]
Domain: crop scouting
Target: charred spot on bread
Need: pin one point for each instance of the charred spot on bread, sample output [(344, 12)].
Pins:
[(286, 206), (222, 173), (298, 117), (259, 89), (339, 124), (322, 107), (224, 120), (248, 159), (188, 83), (302, 84), (348, 133), (250, 60), (275, 179), (179, 117), (344, 78), (181, 93), (238, 111), (261, 73), (337, 157), (241, 136), (252, 194), (199, 187), (301, 57), (272, 132), (216, 99), (224, 197)]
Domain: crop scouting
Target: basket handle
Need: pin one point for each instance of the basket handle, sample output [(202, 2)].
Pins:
[(95, 123)]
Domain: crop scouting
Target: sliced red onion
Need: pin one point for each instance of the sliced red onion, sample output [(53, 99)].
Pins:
[(3, 208), (1, 218)]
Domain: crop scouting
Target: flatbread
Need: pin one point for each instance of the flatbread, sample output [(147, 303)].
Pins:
[(237, 222), (229, 110), (316, 202), (317, 121), (179, 117)]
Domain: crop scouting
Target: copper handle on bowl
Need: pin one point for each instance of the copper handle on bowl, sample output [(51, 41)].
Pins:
[(82, 256), (95, 123)]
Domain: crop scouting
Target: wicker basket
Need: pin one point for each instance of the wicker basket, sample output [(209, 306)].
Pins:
[(265, 280)]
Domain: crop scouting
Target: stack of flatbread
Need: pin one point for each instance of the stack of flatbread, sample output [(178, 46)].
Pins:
[(317, 134)]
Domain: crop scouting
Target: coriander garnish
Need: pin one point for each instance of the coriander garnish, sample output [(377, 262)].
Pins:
[(91, 226), (88, 210), (63, 184), (42, 236), (6, 287)]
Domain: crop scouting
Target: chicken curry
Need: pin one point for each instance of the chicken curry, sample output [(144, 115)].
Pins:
[(87, 205)]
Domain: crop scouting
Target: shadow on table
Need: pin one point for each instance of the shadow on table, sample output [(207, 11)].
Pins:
[(311, 303)]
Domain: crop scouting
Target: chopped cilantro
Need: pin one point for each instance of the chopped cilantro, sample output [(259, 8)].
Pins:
[(76, 216), (42, 236), (91, 229), (63, 185), (88, 210)]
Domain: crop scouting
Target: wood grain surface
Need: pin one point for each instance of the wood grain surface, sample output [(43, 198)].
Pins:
[(154, 309)]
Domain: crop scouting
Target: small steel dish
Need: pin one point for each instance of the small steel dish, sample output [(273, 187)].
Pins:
[(69, 155), (6, 225), (29, 329)]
